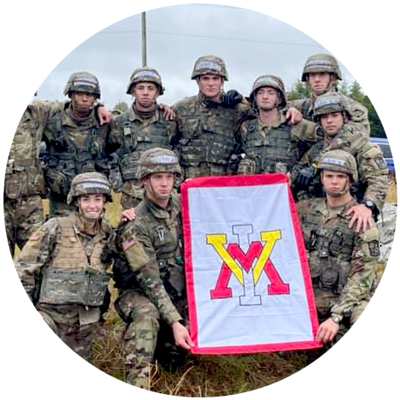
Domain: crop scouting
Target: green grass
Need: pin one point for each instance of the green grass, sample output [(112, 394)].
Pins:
[(202, 376)]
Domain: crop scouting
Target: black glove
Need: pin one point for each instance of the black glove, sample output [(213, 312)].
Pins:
[(231, 98), (304, 178)]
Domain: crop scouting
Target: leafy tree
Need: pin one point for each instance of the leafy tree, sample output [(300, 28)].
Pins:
[(300, 90), (121, 106)]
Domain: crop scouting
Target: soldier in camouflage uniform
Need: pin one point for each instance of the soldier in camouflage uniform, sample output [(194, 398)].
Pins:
[(75, 141), (321, 72), (148, 269), (140, 128), (269, 142), (371, 190), (24, 182), (208, 122), (342, 261), (60, 267)]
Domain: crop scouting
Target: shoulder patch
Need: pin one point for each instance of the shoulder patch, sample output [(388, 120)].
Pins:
[(128, 243), (37, 235), (373, 247)]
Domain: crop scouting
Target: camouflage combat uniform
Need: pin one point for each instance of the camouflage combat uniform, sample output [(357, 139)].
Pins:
[(326, 63), (24, 182), (273, 148), (358, 113), (342, 261), (208, 129), (137, 131), (149, 275), (74, 146), (372, 168), (62, 271)]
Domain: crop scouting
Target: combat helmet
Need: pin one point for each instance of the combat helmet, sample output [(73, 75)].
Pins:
[(270, 81), (82, 82), (339, 161), (145, 74), (89, 183), (210, 65), (158, 160), (329, 103), (321, 63)]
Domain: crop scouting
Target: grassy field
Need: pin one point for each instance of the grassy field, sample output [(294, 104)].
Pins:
[(202, 376)]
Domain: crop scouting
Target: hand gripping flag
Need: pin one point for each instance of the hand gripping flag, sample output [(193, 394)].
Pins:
[(248, 280)]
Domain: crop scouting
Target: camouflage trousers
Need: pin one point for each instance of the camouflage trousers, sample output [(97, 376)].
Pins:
[(140, 336), (146, 338), (73, 324), (22, 216)]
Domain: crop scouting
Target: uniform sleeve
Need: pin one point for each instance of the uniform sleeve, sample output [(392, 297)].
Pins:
[(42, 109), (141, 257), (359, 116), (363, 272), (373, 172), (306, 131), (297, 104), (36, 253)]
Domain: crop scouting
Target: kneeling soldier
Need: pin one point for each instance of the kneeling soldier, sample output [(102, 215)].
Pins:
[(61, 268), (342, 261), (148, 268)]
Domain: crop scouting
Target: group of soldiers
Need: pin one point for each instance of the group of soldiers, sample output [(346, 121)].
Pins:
[(77, 153)]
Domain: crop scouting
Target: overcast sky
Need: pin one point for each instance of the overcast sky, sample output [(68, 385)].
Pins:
[(42, 43), (251, 43)]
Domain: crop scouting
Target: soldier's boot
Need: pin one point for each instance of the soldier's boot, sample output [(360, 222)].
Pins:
[(140, 340), (139, 376), (168, 355)]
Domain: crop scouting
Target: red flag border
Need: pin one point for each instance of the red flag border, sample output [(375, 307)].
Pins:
[(237, 181)]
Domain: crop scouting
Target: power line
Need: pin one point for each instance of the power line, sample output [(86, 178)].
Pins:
[(216, 38)]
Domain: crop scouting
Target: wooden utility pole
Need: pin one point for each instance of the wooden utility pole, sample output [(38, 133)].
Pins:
[(144, 40)]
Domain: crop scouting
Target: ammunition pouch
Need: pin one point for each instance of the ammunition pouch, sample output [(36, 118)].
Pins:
[(172, 276), (23, 178), (65, 287)]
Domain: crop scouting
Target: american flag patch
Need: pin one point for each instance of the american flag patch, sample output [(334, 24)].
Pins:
[(128, 243), (36, 236)]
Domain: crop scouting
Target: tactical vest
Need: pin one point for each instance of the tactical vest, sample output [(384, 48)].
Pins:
[(64, 159), (167, 243), (208, 135), (76, 275), (24, 176), (330, 250), (275, 153), (137, 140)]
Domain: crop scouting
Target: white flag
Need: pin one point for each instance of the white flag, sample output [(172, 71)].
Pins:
[(248, 280)]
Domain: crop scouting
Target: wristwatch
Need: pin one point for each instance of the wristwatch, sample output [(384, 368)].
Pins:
[(336, 319), (371, 205)]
